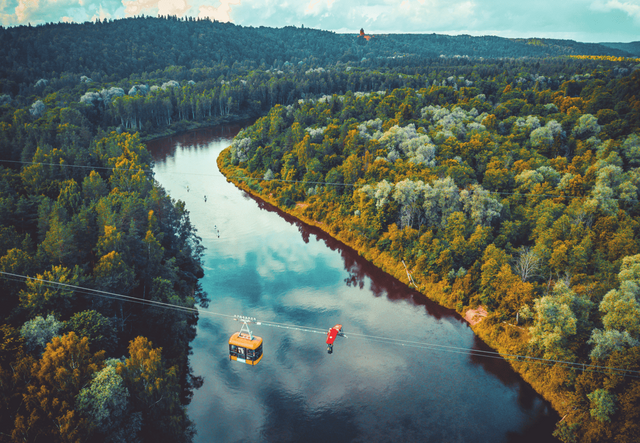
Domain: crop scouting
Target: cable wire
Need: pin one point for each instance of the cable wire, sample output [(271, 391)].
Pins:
[(422, 345), (355, 185), (389, 340), (112, 295), (68, 165)]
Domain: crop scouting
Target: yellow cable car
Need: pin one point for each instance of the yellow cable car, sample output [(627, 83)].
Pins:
[(244, 346)]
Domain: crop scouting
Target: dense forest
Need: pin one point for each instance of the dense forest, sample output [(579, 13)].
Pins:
[(111, 50), (78, 365), (504, 173), (508, 196)]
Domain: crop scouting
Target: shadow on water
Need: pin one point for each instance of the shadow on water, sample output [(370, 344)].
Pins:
[(528, 399), (165, 147)]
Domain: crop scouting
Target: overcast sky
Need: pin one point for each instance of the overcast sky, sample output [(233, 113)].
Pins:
[(582, 20)]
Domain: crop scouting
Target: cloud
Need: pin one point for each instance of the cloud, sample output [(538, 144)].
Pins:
[(152, 7), (377, 15), (18, 12), (221, 13), (631, 8), (311, 5), (101, 14), (25, 8)]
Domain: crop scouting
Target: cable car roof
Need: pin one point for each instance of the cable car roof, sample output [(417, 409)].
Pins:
[(245, 341)]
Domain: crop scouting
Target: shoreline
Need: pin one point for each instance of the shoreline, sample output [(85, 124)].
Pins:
[(398, 272), (498, 336), (194, 126)]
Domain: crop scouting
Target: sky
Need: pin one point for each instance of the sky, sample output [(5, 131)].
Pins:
[(581, 20)]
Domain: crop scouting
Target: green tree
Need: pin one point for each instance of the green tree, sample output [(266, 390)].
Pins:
[(603, 404), (607, 341), (621, 307), (111, 273), (559, 317), (94, 187), (70, 197), (105, 405), (59, 244), (41, 297), (493, 259), (586, 126), (408, 194), (441, 199), (96, 327), (16, 261), (39, 331), (155, 392)]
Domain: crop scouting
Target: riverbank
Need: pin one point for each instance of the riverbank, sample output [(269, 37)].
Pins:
[(187, 126), (505, 338)]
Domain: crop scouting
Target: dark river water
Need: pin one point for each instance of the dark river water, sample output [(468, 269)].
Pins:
[(262, 263)]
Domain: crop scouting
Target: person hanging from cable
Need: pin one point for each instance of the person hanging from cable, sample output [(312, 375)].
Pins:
[(331, 337)]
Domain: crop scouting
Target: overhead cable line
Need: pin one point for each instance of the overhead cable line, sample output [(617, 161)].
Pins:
[(105, 168), (355, 185), (110, 295), (399, 342), (493, 354), (67, 165)]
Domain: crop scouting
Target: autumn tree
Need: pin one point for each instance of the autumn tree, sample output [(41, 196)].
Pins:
[(155, 392), (43, 297), (49, 403)]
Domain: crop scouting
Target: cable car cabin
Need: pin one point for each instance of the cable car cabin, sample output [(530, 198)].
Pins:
[(245, 348)]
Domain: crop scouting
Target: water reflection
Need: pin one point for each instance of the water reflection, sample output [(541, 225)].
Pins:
[(367, 390), (360, 270)]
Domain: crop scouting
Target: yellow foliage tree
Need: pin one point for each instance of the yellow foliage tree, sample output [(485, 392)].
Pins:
[(48, 404)]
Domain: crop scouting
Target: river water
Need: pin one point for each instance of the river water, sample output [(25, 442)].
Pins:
[(262, 263)]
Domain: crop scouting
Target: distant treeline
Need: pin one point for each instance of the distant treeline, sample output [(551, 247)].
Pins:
[(177, 97), (116, 49)]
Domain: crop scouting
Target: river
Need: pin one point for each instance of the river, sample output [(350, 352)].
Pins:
[(262, 263)]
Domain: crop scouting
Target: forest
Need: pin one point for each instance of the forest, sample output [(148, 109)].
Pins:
[(116, 49), (518, 198), (503, 173)]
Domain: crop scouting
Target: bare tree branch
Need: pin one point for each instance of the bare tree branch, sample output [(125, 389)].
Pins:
[(527, 264)]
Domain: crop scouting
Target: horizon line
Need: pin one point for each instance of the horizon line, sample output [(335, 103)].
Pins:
[(342, 31)]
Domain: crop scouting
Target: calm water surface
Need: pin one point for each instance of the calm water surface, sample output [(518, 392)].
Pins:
[(262, 263)]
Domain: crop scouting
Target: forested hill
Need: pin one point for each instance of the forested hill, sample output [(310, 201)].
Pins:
[(632, 48), (145, 44)]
